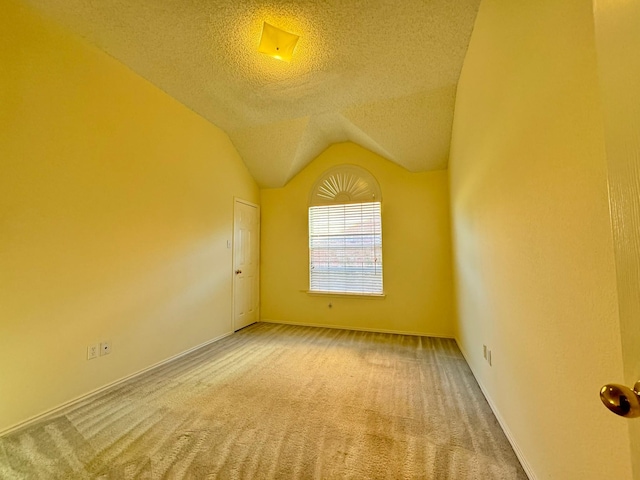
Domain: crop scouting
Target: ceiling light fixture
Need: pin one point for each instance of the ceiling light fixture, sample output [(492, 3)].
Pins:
[(277, 43)]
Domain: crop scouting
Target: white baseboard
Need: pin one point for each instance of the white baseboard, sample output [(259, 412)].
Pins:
[(526, 466), (52, 411), (359, 329)]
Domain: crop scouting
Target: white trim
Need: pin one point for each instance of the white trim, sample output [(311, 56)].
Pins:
[(358, 329), (246, 202), (526, 466), (344, 294), (91, 393)]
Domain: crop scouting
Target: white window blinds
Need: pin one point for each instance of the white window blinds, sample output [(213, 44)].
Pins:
[(345, 248)]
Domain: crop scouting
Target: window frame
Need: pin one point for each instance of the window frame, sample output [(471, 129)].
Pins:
[(343, 186)]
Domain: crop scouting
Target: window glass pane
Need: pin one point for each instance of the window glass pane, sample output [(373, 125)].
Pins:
[(345, 248)]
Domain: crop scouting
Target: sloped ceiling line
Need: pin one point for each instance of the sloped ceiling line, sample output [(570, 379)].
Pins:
[(379, 73)]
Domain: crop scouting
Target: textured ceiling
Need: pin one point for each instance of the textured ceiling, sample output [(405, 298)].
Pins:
[(382, 74)]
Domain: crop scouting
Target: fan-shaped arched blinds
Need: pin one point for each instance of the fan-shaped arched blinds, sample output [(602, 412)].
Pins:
[(345, 233), (345, 184)]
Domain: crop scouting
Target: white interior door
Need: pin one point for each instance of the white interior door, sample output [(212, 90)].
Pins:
[(246, 264), (618, 45)]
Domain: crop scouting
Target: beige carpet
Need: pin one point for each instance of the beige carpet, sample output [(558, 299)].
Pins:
[(281, 402)]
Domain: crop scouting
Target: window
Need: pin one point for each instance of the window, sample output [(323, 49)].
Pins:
[(345, 233)]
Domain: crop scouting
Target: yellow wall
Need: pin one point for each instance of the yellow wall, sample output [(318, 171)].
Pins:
[(416, 251), (116, 203), (534, 259)]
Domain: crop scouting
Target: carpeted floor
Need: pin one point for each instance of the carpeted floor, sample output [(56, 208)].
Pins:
[(280, 402)]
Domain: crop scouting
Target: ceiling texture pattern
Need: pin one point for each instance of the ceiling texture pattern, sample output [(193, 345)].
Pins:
[(382, 74)]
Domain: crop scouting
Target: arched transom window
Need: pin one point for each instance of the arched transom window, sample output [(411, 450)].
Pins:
[(345, 233)]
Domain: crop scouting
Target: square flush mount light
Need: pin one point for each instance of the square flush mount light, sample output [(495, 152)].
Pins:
[(277, 43)]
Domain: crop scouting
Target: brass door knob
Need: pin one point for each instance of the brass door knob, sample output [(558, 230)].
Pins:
[(622, 400)]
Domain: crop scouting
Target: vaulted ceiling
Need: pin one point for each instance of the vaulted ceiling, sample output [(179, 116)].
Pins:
[(379, 73)]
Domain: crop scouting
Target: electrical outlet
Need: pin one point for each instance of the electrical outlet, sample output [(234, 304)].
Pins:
[(484, 351), (489, 357), (105, 348), (92, 351)]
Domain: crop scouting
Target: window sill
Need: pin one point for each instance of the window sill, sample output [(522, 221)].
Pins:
[(348, 295)]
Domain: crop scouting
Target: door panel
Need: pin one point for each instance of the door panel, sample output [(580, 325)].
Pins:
[(617, 25), (246, 264)]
